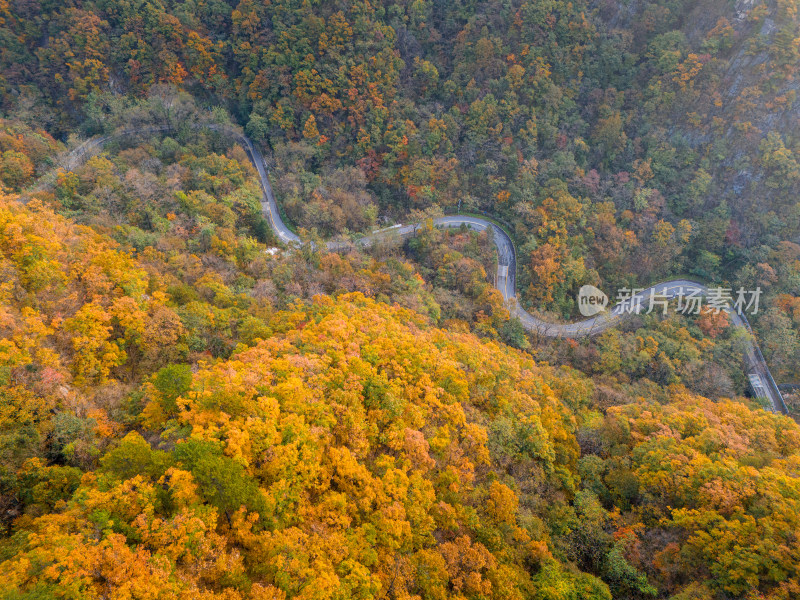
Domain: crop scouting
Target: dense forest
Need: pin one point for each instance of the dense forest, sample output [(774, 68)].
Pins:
[(190, 408), (347, 448)]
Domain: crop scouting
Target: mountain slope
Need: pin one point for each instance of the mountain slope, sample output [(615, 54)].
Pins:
[(353, 449)]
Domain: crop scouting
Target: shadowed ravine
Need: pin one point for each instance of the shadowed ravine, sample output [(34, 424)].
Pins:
[(756, 367)]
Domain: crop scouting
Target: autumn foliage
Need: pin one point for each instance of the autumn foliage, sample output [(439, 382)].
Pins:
[(189, 409), (350, 449)]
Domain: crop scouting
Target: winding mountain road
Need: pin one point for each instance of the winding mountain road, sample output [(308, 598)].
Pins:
[(757, 370)]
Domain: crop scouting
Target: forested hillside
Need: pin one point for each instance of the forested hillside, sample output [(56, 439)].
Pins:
[(190, 408), (349, 449), (622, 142)]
